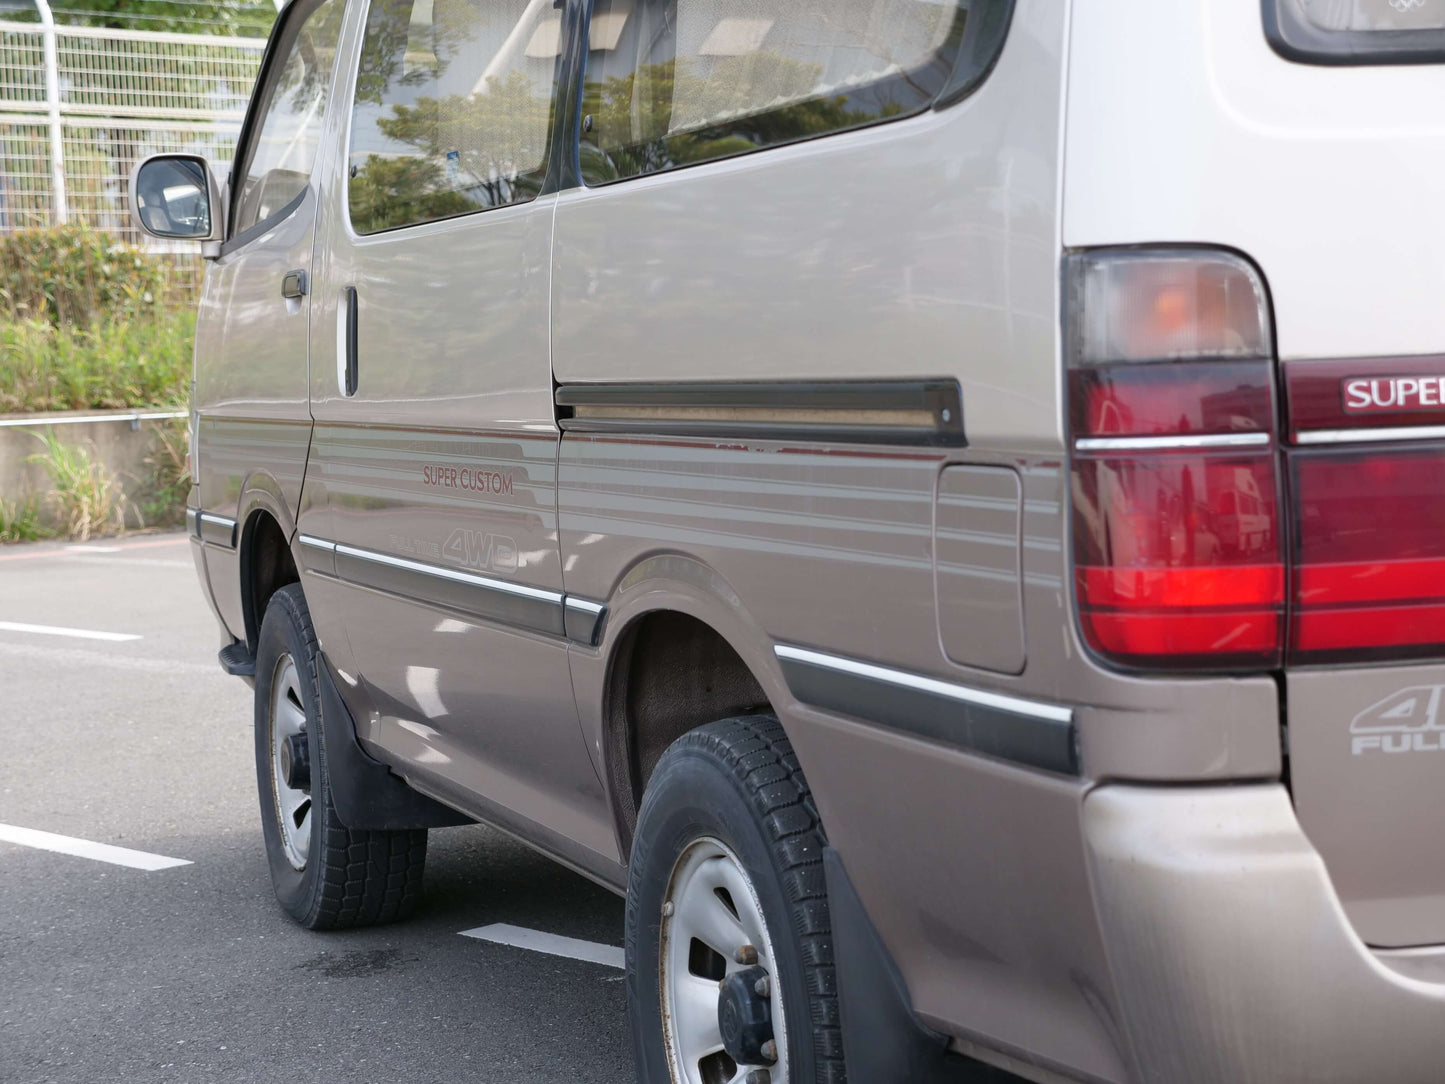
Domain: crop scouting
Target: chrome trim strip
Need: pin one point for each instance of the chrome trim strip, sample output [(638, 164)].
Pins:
[(484, 582), (1362, 436), (316, 543), (1052, 712), (216, 530), (193, 522), (1149, 444), (1007, 728), (583, 620)]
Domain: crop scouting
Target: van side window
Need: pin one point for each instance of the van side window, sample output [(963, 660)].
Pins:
[(453, 109), (675, 82), (276, 166)]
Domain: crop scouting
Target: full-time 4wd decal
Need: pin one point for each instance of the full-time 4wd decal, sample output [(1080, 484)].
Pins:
[(1407, 721), (478, 549)]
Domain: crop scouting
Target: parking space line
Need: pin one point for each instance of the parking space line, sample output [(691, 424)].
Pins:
[(84, 848), (550, 943), (60, 630)]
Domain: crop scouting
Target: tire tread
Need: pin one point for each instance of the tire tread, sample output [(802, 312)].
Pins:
[(760, 757), (366, 878)]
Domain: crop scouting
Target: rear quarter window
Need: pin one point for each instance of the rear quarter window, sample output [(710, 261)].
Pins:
[(672, 83), (1357, 31)]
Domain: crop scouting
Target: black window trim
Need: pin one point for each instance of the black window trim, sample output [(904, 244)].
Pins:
[(265, 83), (552, 156), (971, 69), (1295, 38)]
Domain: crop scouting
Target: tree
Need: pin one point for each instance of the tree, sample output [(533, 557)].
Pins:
[(252, 18)]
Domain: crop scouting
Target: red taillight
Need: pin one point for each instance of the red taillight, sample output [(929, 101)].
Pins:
[(1177, 494), (1370, 554), (1178, 547)]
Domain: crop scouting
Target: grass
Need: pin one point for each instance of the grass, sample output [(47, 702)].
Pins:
[(88, 496), (20, 521), (120, 361), (169, 479)]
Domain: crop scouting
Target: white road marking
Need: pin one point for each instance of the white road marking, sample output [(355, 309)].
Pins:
[(80, 656), (550, 943), (84, 848), (58, 630), (92, 549)]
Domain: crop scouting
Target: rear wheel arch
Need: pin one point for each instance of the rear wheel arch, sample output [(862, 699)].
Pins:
[(669, 672)]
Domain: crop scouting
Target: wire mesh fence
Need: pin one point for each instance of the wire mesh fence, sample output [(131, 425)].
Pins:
[(120, 95)]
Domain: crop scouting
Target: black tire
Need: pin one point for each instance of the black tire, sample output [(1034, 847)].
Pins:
[(349, 879), (738, 781)]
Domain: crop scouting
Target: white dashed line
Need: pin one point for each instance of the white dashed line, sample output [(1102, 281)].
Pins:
[(93, 549), (550, 943), (58, 630), (84, 848)]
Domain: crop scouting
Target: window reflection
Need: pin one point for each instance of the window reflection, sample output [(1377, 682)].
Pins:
[(453, 108), (675, 82), (278, 167)]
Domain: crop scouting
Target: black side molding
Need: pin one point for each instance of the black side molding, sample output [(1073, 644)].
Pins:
[(367, 796), (1007, 728), (883, 1041), (927, 412), (237, 660)]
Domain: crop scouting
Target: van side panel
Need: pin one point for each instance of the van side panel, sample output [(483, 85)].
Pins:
[(914, 250), (251, 394)]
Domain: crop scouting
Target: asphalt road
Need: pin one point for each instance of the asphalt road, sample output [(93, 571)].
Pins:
[(193, 973)]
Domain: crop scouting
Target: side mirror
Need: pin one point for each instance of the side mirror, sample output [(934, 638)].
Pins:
[(175, 197)]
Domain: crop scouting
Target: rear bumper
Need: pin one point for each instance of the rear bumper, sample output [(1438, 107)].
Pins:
[(1230, 953)]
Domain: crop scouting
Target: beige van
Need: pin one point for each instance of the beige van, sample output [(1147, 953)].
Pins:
[(940, 502)]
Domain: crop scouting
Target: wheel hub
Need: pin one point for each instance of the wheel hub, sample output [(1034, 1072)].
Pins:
[(745, 1015), (723, 1017), (295, 753), (290, 762)]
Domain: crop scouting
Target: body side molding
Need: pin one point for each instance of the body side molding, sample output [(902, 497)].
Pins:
[(216, 529), (1027, 732), (521, 606), (927, 412)]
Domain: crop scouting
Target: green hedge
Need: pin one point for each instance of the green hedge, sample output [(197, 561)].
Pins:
[(88, 323), (121, 361), (71, 275)]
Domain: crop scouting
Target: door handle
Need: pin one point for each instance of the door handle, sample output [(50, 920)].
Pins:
[(346, 374), (293, 285)]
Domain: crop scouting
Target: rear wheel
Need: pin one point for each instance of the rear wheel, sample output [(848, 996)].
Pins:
[(326, 876), (729, 947)]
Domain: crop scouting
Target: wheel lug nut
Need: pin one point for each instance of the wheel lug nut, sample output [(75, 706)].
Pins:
[(763, 987), (770, 1051), (746, 955), (758, 1076)]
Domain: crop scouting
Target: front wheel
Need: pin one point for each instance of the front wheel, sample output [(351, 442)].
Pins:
[(326, 876), (729, 946)]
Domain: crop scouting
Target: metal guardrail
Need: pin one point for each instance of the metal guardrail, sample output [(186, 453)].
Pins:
[(79, 106), (42, 420)]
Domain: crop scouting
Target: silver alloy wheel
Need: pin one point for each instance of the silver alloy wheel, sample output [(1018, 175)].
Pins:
[(710, 911), (293, 805)]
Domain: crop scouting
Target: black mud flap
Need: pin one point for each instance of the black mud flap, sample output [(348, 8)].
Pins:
[(367, 796), (883, 1041)]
